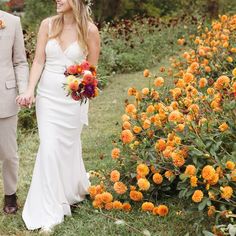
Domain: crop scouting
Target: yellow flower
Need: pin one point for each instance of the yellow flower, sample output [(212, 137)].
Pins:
[(115, 154), (106, 197), (168, 174), (136, 196), (120, 188), (127, 137), (145, 91), (202, 82), (208, 172), (147, 206), (143, 184), (226, 192), (159, 81), (175, 116), (117, 205), (126, 125), (115, 176), (214, 180), (162, 210), (126, 207), (146, 73), (137, 129), (142, 170), (132, 92), (146, 124), (223, 127), (230, 165), (190, 170), (150, 109), (125, 118), (160, 145), (197, 196), (233, 175), (157, 178), (234, 72), (193, 181), (130, 108)]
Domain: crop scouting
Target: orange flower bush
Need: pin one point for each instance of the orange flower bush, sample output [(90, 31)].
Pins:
[(181, 141)]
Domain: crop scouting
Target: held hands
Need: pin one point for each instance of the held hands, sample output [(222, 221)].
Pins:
[(26, 99)]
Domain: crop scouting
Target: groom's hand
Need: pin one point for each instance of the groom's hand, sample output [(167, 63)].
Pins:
[(26, 99)]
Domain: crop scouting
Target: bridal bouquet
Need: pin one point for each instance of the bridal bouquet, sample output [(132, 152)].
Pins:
[(81, 82)]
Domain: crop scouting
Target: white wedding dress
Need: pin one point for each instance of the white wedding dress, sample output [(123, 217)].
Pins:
[(59, 178)]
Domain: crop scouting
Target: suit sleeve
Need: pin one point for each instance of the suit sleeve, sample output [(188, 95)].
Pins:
[(20, 63)]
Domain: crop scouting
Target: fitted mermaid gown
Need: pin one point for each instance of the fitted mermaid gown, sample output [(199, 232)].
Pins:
[(59, 177)]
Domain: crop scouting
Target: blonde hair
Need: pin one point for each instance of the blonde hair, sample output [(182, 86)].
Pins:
[(81, 12)]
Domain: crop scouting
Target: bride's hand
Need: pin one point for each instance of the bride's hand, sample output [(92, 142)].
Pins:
[(26, 99)]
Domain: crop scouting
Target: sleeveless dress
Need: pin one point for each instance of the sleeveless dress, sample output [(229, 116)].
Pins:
[(59, 177)]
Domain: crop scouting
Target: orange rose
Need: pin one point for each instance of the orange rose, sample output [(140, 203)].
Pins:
[(127, 137), (160, 145), (109, 206), (159, 81), (202, 82), (136, 196), (146, 73), (233, 175), (190, 170), (120, 188), (147, 206), (208, 172), (188, 77), (143, 184), (146, 124), (115, 153), (175, 116), (162, 210), (106, 197), (142, 170), (132, 92), (150, 109), (117, 205), (130, 108), (226, 192), (223, 127), (157, 178), (193, 181), (230, 165), (145, 91), (137, 129), (115, 176), (197, 196), (126, 125), (126, 207)]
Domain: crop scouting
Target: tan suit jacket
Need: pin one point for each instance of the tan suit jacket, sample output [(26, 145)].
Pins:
[(14, 69)]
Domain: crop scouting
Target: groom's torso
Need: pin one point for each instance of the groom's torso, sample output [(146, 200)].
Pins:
[(8, 91)]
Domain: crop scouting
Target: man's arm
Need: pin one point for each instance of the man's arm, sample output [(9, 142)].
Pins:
[(20, 63)]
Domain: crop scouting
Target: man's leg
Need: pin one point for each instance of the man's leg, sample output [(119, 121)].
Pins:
[(10, 162)]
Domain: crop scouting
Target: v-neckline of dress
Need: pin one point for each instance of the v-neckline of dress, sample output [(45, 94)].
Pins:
[(67, 48)]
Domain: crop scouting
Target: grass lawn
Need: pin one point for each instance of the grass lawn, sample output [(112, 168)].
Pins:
[(105, 125)]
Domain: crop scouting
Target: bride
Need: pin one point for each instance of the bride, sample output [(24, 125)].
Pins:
[(59, 178)]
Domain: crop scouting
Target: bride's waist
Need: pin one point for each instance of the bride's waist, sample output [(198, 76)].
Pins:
[(57, 69)]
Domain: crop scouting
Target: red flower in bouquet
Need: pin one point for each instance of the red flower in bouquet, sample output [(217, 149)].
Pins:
[(81, 83)]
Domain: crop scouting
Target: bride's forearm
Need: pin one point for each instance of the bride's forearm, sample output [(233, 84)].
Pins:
[(35, 74)]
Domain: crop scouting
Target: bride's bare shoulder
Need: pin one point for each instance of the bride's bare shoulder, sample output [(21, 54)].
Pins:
[(92, 28)]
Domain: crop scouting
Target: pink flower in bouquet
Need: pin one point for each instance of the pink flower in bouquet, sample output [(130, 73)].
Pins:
[(72, 70), (85, 65)]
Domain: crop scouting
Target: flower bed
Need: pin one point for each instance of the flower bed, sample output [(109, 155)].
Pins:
[(180, 142)]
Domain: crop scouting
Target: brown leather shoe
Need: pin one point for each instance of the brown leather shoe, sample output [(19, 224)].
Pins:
[(10, 204)]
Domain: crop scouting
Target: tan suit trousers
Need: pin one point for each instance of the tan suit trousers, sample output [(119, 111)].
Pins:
[(8, 153)]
